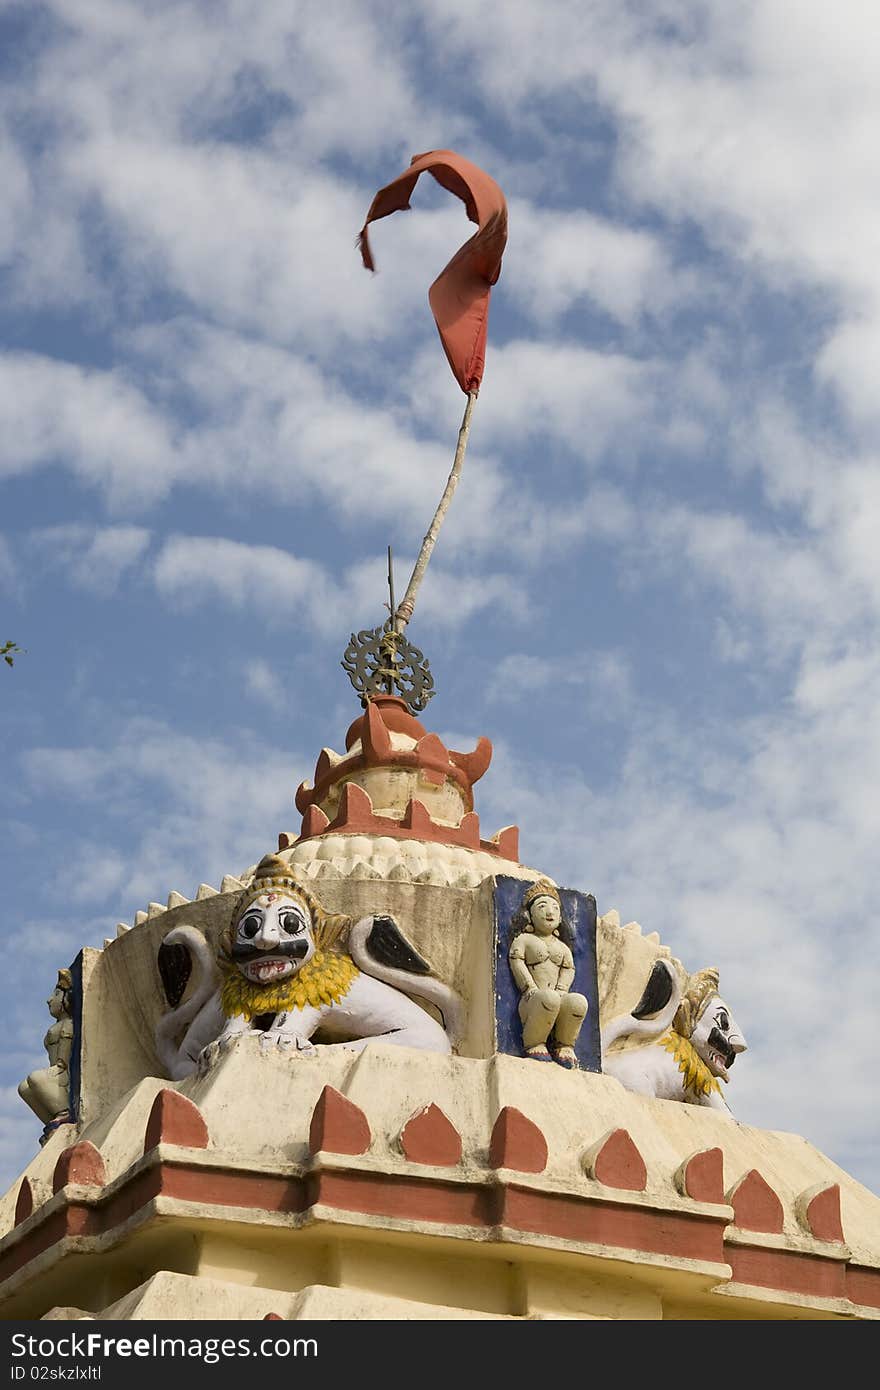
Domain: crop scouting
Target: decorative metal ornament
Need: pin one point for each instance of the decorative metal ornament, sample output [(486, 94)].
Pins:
[(380, 661)]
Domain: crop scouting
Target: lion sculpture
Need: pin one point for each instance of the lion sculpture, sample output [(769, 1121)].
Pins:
[(689, 1039), (289, 969)]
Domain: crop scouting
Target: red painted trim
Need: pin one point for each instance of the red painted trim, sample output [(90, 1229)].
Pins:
[(174, 1119), (425, 762), (613, 1224), (24, 1202), (382, 1194), (618, 1163), (130, 1198), (691, 1236), (474, 764), (396, 717), (506, 843), (82, 1164), (701, 1177), (517, 1143), (404, 1198), (823, 1215), (314, 822), (434, 761), (863, 1285), (71, 1220), (417, 818), (185, 1182), (787, 1270), (220, 1188), (338, 1125), (756, 1206), (429, 1137), (356, 817), (375, 739)]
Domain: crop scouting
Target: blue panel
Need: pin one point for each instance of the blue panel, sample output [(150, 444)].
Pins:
[(579, 911), (76, 1003)]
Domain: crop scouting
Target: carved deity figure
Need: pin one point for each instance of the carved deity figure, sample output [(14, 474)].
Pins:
[(47, 1091), (542, 965), (286, 970), (687, 1039)]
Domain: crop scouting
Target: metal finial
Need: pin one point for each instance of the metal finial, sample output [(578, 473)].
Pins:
[(381, 661)]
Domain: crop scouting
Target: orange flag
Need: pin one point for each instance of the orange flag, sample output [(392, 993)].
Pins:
[(459, 297)]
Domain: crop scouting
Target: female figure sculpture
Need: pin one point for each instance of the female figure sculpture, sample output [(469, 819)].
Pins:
[(46, 1091), (542, 965)]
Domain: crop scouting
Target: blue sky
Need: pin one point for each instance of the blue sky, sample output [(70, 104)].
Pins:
[(658, 590)]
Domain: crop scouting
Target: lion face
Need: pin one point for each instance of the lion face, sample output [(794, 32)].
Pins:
[(273, 938), (717, 1038)]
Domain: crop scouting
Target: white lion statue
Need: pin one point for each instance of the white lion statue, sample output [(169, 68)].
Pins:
[(287, 969), (688, 1035)]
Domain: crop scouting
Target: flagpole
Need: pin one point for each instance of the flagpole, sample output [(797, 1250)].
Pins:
[(405, 608)]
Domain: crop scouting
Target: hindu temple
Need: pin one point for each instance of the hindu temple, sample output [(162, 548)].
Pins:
[(390, 1071)]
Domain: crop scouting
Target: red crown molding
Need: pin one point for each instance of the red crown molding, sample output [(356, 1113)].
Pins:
[(357, 817), (434, 762)]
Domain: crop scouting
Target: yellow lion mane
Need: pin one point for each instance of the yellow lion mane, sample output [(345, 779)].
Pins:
[(696, 1075)]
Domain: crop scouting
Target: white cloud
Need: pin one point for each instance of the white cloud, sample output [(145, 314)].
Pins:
[(247, 238), (602, 682), (547, 399), (282, 589), (270, 421), (146, 157), (550, 392), (192, 569), (447, 598), (558, 258), (95, 557), (208, 827), (541, 390), (265, 685), (199, 63), (848, 362), (784, 580), (259, 418), (16, 200), (727, 117), (96, 422), (8, 571), (350, 60)]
